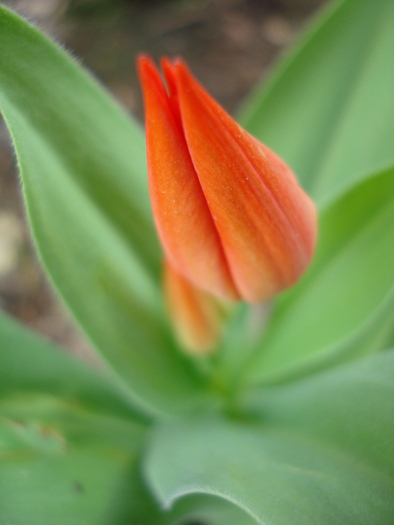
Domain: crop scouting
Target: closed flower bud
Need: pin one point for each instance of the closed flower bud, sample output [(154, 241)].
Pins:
[(197, 316), (230, 214)]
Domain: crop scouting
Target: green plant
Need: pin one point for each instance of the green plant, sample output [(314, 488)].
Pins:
[(292, 423)]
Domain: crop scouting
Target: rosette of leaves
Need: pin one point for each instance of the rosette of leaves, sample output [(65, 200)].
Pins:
[(290, 423)]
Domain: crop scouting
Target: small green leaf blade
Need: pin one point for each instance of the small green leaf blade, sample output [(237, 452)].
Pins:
[(343, 307), (328, 109), (83, 170), (316, 451)]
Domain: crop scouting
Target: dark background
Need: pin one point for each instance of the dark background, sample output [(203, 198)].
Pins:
[(228, 44)]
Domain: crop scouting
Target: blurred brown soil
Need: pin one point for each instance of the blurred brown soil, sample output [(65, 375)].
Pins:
[(229, 45)]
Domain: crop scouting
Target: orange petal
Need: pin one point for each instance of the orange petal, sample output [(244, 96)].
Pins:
[(182, 217), (197, 317), (266, 223)]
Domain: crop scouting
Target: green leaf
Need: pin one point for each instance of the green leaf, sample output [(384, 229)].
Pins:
[(343, 307), (328, 110), (84, 179), (77, 487), (204, 509), (316, 451), (59, 459), (15, 435), (80, 488), (71, 120), (31, 365), (48, 423)]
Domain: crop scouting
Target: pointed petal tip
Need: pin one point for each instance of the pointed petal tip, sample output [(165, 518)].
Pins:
[(146, 68), (165, 62), (169, 74), (141, 56), (143, 62)]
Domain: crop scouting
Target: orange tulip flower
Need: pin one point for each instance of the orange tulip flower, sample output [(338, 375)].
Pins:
[(230, 214)]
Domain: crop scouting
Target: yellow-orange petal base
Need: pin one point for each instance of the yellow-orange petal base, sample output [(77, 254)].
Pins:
[(197, 317)]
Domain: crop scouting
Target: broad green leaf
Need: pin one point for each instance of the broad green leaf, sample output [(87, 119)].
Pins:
[(343, 307), (70, 118), (75, 487), (84, 181), (316, 451), (350, 407), (79, 488), (205, 510), (328, 110), (68, 442), (58, 459), (31, 365)]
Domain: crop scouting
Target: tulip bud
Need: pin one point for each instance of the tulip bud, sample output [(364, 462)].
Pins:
[(196, 316), (230, 214)]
